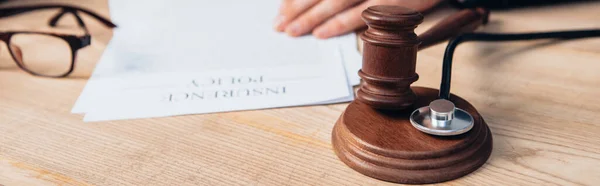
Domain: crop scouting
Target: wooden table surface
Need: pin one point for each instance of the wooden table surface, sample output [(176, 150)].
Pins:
[(540, 99)]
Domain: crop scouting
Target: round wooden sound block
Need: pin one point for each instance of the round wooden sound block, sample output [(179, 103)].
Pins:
[(383, 144)]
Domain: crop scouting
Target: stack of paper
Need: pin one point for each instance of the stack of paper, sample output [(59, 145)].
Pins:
[(187, 57)]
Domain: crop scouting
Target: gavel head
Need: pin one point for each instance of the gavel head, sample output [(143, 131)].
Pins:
[(389, 57)]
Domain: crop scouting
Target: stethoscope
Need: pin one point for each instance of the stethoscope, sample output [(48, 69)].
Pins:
[(441, 117)]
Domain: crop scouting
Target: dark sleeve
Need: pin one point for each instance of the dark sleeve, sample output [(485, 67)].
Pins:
[(505, 4)]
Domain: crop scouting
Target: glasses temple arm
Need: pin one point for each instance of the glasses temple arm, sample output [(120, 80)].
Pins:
[(102, 20), (73, 10), (54, 20), (5, 12), (64, 11)]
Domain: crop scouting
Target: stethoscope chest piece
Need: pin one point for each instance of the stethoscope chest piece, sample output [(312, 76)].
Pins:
[(441, 118)]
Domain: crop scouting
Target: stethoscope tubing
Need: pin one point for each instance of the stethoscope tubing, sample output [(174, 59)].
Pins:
[(451, 47)]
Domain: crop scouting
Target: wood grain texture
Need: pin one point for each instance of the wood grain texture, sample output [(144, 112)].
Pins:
[(539, 99)]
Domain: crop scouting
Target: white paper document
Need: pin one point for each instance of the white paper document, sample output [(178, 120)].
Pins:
[(172, 58)]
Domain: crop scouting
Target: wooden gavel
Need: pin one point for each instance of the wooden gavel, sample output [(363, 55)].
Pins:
[(390, 51), (376, 135)]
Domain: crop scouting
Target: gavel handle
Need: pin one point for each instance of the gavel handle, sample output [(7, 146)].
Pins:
[(466, 20)]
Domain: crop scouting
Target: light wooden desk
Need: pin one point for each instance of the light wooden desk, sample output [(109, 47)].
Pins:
[(541, 100)]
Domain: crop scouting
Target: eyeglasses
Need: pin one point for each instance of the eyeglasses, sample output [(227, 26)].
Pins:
[(47, 54)]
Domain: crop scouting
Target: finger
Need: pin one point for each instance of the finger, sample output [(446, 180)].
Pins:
[(316, 15), (423, 6), (289, 10), (351, 19), (343, 22)]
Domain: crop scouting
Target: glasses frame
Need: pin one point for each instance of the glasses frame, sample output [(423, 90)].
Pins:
[(75, 42)]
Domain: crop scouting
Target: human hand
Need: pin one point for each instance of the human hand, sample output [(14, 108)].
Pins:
[(329, 18)]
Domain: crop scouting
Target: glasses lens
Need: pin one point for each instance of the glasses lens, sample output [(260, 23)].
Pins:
[(42, 54)]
